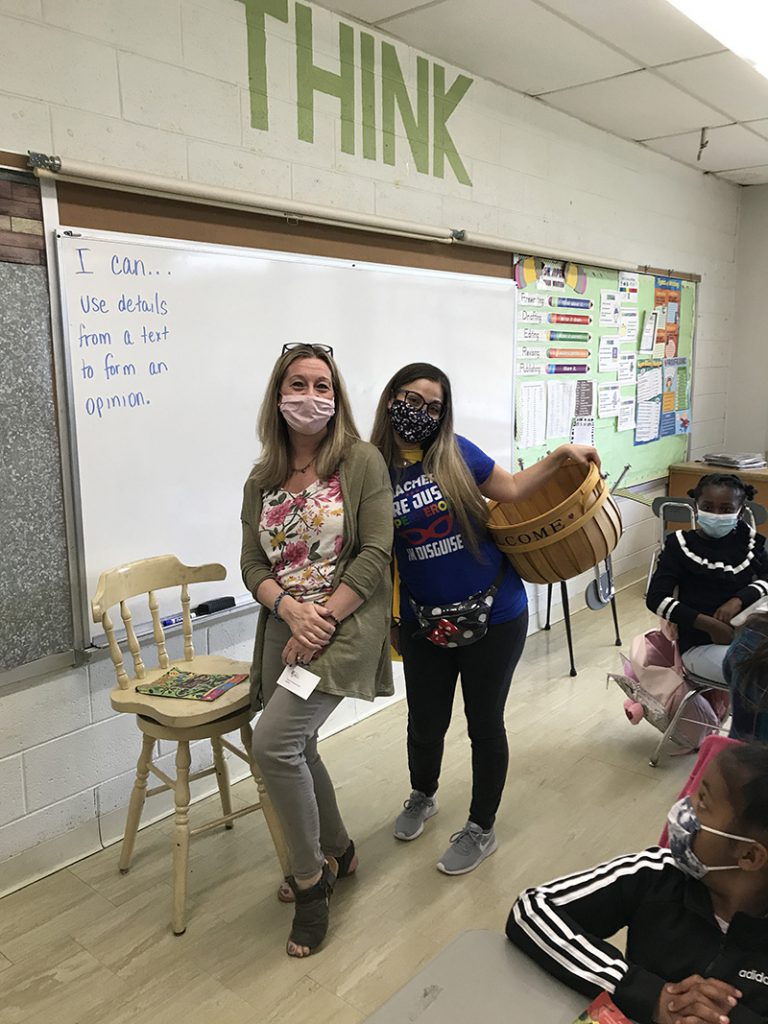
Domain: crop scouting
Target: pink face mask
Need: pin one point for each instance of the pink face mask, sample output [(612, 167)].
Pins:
[(307, 414)]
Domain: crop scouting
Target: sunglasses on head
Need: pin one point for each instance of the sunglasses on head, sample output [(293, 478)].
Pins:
[(325, 349)]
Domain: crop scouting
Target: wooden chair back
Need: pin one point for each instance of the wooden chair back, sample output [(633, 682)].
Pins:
[(147, 576)]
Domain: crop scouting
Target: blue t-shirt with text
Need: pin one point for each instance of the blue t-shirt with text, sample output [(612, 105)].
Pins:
[(434, 563)]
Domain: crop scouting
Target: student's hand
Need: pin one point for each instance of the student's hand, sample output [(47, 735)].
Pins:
[(582, 454), (730, 608), (309, 622), (295, 653), (719, 632), (696, 1000)]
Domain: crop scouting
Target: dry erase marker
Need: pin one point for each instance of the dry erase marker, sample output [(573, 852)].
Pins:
[(567, 368), (568, 353), (568, 318), (584, 337), (561, 300), (172, 620)]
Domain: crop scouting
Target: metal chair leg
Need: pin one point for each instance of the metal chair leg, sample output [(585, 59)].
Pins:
[(549, 606), (615, 612), (567, 613), (669, 732)]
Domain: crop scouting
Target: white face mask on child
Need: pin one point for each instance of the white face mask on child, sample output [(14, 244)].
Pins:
[(716, 525)]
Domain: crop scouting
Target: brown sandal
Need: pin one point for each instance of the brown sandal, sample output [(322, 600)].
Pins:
[(310, 918), (285, 892)]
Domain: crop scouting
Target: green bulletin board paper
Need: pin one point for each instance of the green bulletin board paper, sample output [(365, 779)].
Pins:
[(649, 461)]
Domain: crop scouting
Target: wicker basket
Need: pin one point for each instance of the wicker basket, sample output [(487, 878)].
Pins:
[(569, 525)]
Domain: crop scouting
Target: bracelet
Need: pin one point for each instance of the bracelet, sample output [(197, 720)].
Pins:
[(276, 605), (329, 615)]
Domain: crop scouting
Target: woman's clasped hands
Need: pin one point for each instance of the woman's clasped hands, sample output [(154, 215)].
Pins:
[(312, 627)]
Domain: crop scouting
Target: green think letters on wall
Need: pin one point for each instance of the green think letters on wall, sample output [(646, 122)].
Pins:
[(433, 106)]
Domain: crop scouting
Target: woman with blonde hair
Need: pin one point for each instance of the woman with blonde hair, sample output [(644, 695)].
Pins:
[(463, 607), (317, 542)]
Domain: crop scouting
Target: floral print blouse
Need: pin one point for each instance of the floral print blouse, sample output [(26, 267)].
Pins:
[(302, 536)]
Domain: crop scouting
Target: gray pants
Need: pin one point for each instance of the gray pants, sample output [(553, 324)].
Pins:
[(285, 749), (706, 661)]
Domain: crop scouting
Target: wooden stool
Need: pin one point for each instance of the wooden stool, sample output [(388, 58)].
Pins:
[(178, 720)]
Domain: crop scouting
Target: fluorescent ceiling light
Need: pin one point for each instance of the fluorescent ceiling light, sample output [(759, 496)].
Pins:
[(741, 25)]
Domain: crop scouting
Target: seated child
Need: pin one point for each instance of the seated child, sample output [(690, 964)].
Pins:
[(746, 671), (697, 939), (706, 576)]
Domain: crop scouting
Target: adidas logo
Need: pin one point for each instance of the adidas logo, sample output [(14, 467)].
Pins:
[(754, 976)]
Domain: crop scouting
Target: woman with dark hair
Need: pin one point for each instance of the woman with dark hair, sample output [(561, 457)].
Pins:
[(463, 607), (317, 542), (706, 576)]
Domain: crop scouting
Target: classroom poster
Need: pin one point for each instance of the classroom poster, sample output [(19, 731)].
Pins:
[(610, 308), (608, 355), (667, 298), (648, 337), (561, 406), (585, 398), (626, 414), (583, 430), (629, 286), (648, 420), (531, 414), (627, 367), (608, 399), (629, 324)]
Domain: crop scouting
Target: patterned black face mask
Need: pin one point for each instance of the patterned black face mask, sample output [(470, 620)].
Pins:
[(414, 425)]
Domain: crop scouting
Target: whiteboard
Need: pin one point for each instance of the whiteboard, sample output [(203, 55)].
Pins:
[(169, 345)]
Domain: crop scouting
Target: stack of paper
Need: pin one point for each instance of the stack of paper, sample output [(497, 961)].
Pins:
[(737, 460)]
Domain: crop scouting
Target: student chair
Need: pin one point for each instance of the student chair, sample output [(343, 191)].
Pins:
[(676, 513), (177, 720)]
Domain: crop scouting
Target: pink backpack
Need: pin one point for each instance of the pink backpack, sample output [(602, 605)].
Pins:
[(654, 683)]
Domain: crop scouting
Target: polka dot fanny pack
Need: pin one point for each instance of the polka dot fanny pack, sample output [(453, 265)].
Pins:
[(459, 624)]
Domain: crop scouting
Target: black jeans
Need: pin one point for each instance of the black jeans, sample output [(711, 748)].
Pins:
[(486, 669)]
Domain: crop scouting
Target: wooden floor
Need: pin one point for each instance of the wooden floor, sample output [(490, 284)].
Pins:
[(87, 946)]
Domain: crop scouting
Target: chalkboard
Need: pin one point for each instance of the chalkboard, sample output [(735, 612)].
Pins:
[(169, 345), (35, 597), (565, 315)]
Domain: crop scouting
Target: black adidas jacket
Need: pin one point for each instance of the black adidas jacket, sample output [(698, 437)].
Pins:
[(707, 572), (672, 934)]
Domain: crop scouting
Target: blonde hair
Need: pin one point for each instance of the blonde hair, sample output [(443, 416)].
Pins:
[(273, 466), (443, 461)]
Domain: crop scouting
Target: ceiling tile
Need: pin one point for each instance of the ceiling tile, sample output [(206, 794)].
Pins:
[(747, 176), (725, 81), (636, 106), (373, 10), (519, 44), (727, 148), (651, 31)]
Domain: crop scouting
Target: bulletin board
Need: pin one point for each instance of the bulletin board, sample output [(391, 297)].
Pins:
[(603, 357)]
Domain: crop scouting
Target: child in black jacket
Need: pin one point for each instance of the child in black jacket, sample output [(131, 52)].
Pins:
[(697, 939), (706, 576)]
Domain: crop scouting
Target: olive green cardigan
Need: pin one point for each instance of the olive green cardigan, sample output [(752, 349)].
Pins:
[(357, 662)]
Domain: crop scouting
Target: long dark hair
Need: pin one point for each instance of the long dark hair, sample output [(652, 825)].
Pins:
[(443, 461)]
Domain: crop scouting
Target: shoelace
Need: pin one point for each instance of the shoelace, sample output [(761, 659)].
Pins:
[(474, 837), (415, 806)]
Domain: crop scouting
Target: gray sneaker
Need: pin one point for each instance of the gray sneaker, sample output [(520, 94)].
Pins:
[(469, 847), (416, 809)]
